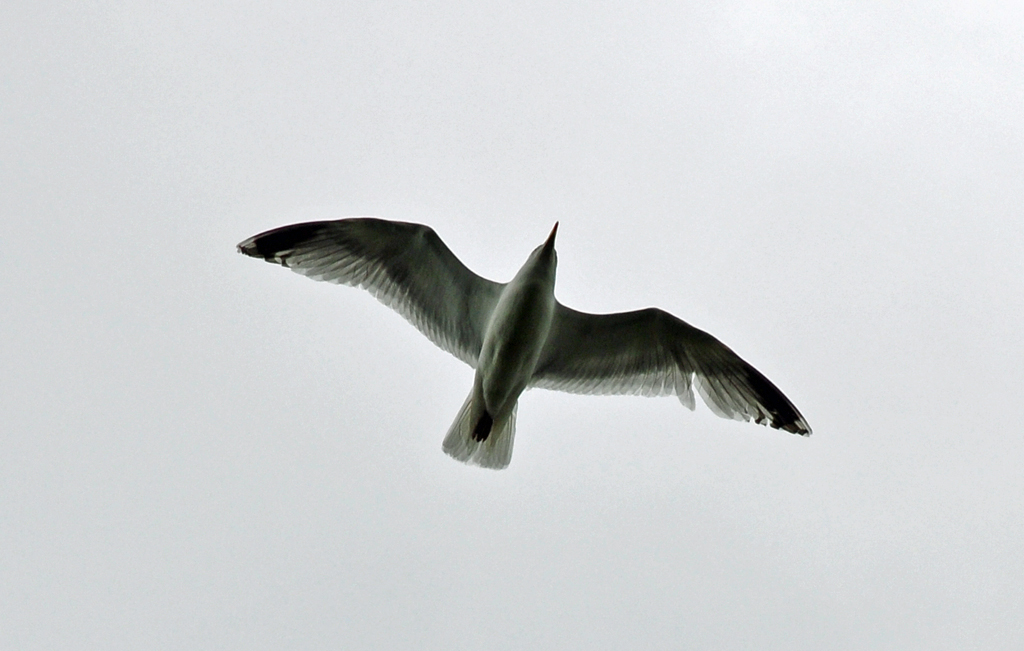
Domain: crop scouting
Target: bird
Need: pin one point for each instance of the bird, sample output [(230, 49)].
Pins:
[(516, 335)]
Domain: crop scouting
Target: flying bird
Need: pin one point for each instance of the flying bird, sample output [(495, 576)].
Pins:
[(516, 335)]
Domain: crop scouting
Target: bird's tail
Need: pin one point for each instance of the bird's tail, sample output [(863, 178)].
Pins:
[(463, 439)]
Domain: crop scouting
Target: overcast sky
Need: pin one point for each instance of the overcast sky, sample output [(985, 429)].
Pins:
[(202, 451)]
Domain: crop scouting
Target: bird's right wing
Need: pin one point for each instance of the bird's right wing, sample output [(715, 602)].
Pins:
[(650, 352), (405, 266)]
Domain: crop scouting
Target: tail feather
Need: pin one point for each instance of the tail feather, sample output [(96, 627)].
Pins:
[(495, 451)]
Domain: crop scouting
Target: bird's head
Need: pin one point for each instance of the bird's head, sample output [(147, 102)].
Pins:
[(543, 260), (546, 251)]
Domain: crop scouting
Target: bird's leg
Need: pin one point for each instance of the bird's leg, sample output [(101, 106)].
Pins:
[(483, 428)]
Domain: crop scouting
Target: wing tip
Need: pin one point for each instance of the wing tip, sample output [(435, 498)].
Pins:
[(800, 429), (783, 417), (249, 248), (796, 426), (269, 245)]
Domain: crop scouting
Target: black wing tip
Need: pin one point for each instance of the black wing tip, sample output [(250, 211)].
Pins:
[(786, 418), (800, 428), (793, 423), (775, 409), (269, 244), (249, 248)]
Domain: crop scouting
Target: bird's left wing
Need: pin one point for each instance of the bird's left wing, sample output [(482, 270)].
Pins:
[(405, 266), (650, 352)]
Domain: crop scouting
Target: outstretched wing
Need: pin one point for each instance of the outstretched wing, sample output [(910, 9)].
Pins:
[(405, 266), (650, 352)]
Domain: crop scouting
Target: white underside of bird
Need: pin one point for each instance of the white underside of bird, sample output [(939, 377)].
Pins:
[(516, 335)]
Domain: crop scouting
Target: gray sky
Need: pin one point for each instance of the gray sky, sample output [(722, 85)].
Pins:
[(200, 451)]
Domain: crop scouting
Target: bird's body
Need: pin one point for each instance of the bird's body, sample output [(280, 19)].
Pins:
[(516, 332), (516, 335)]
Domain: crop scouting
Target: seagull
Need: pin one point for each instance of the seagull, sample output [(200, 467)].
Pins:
[(516, 335)]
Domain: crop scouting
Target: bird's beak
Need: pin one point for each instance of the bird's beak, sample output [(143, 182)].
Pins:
[(550, 243)]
